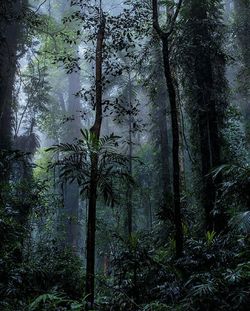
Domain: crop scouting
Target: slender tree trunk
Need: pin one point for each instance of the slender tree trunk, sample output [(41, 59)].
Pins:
[(164, 144), (242, 29), (95, 130), (175, 146), (160, 119), (147, 206), (181, 136), (71, 193), (91, 232), (164, 36), (129, 192)]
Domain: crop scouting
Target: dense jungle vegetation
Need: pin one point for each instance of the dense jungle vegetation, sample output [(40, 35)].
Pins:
[(124, 155)]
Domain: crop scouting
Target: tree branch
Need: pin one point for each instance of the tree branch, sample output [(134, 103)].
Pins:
[(156, 18), (173, 21), (156, 24)]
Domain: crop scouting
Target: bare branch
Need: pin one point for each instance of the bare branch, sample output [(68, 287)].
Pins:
[(173, 21), (156, 18), (40, 6), (156, 24)]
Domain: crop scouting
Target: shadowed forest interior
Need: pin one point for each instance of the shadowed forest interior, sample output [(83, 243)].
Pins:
[(124, 155)]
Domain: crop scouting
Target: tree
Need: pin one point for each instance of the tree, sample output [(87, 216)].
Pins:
[(11, 18), (77, 165), (95, 130), (126, 115), (206, 87), (165, 39), (158, 95), (242, 30)]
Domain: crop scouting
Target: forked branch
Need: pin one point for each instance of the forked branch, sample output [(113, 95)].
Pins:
[(172, 23)]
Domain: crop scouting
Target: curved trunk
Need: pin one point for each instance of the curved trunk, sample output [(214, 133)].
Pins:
[(164, 36)]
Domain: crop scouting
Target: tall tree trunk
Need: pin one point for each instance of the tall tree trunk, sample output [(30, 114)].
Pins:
[(10, 12), (160, 120), (164, 145), (10, 31), (208, 124), (181, 135), (130, 146), (208, 136), (24, 175), (175, 146), (242, 29), (208, 100), (164, 36), (95, 130), (68, 216), (71, 190)]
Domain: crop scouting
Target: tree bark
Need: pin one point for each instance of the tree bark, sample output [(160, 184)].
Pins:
[(71, 193), (208, 124), (164, 36), (10, 37), (129, 191), (242, 29), (164, 145), (9, 31), (95, 130), (175, 151), (208, 106)]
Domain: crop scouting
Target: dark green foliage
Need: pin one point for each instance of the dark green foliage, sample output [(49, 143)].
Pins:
[(61, 272), (203, 64), (214, 274), (235, 187), (54, 301), (53, 93), (76, 164), (242, 30), (23, 274), (22, 283)]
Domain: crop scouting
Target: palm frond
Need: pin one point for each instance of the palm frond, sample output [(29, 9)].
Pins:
[(75, 162), (241, 222), (204, 289)]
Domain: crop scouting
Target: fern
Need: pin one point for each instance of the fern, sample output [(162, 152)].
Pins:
[(233, 276), (51, 298), (204, 289), (51, 301), (242, 222)]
